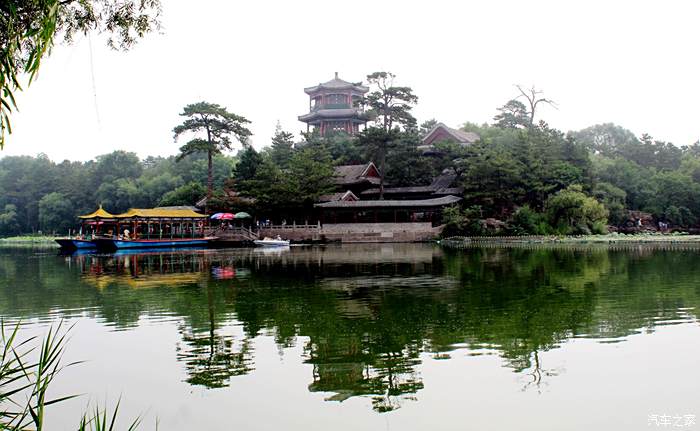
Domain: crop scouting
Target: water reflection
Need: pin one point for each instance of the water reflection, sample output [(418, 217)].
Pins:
[(369, 314)]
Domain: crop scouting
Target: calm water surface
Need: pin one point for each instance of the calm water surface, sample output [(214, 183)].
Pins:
[(371, 337)]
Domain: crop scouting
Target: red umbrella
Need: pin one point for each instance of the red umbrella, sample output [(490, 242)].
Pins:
[(226, 216)]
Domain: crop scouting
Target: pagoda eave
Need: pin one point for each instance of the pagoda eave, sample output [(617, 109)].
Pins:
[(333, 114), (311, 91)]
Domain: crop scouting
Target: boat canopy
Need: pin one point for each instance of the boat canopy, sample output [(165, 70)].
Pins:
[(160, 213), (100, 213)]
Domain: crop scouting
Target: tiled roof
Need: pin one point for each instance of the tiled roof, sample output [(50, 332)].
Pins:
[(340, 196), (459, 136), (423, 203), (440, 186), (159, 213), (100, 213), (337, 84), (353, 174), (333, 113)]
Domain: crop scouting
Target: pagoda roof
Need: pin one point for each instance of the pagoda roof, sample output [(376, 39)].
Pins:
[(337, 84), (99, 213), (423, 203), (319, 114), (164, 212)]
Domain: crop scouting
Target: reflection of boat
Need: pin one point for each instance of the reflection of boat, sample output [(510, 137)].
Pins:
[(154, 250), (269, 242)]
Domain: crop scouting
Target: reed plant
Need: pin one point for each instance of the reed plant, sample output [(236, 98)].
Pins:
[(27, 369)]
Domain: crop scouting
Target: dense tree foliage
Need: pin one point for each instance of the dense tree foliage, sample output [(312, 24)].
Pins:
[(291, 190), (38, 194)]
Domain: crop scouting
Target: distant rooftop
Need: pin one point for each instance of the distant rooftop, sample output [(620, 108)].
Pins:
[(441, 132), (423, 203), (337, 84)]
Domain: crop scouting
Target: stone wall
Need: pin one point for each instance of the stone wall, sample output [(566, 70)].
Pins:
[(355, 232), (293, 233), (380, 232)]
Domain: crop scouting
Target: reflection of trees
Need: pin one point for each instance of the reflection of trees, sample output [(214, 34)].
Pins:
[(349, 369), (209, 358), (367, 321)]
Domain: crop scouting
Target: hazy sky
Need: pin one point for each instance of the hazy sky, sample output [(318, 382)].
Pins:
[(634, 63)]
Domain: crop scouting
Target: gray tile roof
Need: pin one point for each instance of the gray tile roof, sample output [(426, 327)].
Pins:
[(410, 204), (337, 84), (460, 136), (334, 113), (353, 174)]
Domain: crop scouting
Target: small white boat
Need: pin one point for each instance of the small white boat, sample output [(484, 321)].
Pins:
[(270, 242)]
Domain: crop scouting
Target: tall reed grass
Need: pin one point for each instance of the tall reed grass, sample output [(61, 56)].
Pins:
[(27, 369)]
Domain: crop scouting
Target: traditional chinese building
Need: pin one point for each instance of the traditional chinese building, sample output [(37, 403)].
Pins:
[(442, 133), (333, 107)]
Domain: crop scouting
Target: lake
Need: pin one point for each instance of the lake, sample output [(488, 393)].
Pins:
[(371, 337)]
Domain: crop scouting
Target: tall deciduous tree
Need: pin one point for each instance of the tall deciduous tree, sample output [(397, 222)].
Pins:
[(28, 29), (533, 97), (218, 126)]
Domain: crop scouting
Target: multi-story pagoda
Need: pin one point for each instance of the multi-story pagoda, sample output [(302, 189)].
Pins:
[(334, 107)]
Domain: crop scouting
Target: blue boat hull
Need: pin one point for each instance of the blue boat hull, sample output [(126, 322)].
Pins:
[(119, 244), (76, 244)]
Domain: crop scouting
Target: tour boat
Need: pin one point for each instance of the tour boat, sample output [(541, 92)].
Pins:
[(269, 242), (75, 244), (108, 244), (90, 225), (162, 227)]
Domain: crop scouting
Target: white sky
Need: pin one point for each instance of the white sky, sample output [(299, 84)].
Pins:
[(634, 63)]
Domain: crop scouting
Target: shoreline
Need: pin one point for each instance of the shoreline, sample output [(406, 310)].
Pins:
[(610, 239)]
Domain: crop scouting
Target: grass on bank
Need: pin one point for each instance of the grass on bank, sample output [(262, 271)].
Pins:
[(29, 241)]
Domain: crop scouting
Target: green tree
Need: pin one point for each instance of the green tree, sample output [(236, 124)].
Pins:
[(269, 186), (282, 147), (115, 165), (249, 161), (119, 195), (426, 127), (376, 142), (55, 213), (607, 139), (406, 166), (28, 30), (512, 115), (614, 199), (389, 105), (571, 211), (219, 126), (9, 225), (311, 175), (526, 221), (187, 194)]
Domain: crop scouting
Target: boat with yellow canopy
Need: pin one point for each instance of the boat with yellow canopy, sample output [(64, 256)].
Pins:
[(156, 227), (91, 225)]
